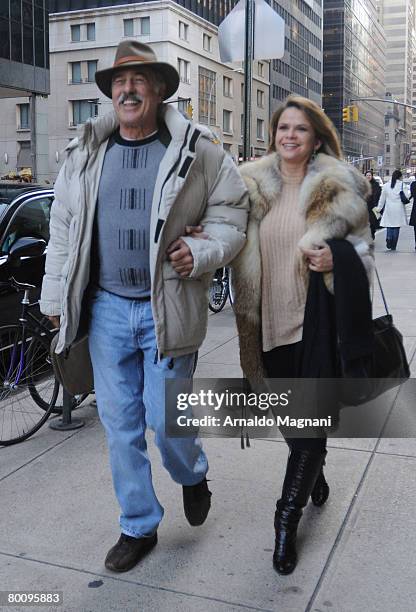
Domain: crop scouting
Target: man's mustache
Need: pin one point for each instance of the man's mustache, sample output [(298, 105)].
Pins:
[(131, 97)]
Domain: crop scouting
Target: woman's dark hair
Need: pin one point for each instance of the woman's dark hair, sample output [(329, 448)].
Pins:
[(322, 125), (370, 171), (396, 176)]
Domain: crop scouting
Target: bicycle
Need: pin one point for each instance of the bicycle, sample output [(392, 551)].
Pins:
[(220, 290)]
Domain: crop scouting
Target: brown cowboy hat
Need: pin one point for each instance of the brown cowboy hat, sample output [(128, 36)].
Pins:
[(134, 54)]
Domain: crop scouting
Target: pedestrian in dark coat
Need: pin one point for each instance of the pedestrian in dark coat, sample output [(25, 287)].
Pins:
[(412, 220), (372, 201)]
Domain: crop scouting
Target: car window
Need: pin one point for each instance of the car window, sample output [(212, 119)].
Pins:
[(30, 219)]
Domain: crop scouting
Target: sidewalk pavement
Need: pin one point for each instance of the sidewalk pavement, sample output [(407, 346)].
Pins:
[(59, 515)]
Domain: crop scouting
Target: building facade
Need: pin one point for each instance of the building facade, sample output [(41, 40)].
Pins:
[(398, 18), (300, 69), (24, 75), (354, 61), (83, 41), (213, 11)]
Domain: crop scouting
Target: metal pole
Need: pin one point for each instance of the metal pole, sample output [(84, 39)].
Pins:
[(33, 135), (387, 101), (66, 423), (248, 74)]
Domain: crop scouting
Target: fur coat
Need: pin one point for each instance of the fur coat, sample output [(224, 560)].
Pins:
[(333, 200)]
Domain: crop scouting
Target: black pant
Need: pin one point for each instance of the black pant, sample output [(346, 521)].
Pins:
[(285, 362)]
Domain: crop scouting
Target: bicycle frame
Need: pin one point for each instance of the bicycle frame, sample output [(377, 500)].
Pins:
[(24, 318)]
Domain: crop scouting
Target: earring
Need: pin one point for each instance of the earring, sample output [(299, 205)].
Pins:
[(313, 156)]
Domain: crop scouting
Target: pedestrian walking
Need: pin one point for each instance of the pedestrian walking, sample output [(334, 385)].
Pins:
[(394, 212), (372, 202), (301, 195), (412, 220), (126, 252)]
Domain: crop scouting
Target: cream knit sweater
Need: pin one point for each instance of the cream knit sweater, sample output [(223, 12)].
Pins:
[(283, 289)]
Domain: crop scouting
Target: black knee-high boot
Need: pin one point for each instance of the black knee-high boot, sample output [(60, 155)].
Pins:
[(302, 470), (320, 491)]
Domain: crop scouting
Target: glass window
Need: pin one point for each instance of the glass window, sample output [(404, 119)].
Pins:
[(92, 69), (23, 116), (227, 87), (260, 98), (5, 39), (90, 31), (76, 72), (260, 129), (38, 17), (242, 125), (4, 9), (75, 33), (183, 106), (83, 110), (261, 69), (27, 45), (184, 70), (39, 48), (128, 27), (24, 158), (16, 11), (207, 85), (206, 42), (242, 92), (144, 26), (227, 125), (31, 219), (16, 37), (183, 30), (27, 12)]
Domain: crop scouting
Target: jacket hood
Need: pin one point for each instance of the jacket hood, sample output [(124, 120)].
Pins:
[(95, 131)]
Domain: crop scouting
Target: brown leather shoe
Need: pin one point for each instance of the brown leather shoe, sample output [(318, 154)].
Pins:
[(128, 552)]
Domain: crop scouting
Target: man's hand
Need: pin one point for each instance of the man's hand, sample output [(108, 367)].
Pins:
[(319, 259), (179, 253), (56, 321)]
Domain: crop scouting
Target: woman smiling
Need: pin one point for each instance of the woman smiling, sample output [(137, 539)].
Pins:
[(301, 195)]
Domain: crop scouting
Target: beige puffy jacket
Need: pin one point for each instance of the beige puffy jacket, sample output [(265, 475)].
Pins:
[(197, 183)]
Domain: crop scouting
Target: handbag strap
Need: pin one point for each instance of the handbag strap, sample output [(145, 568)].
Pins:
[(381, 291)]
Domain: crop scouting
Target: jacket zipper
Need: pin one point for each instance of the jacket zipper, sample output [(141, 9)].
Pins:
[(171, 171)]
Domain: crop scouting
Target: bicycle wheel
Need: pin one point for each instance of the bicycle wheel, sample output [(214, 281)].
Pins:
[(24, 366), (218, 293), (37, 396)]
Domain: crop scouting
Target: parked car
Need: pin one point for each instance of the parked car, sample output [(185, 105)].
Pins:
[(23, 214)]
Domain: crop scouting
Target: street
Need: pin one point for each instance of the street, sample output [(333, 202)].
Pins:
[(59, 515)]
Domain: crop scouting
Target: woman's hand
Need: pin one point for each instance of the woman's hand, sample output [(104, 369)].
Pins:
[(319, 259)]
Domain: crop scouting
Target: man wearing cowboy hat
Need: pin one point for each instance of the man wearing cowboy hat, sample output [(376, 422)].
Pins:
[(126, 248)]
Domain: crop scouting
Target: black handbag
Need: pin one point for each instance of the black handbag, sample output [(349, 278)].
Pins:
[(72, 367), (385, 369)]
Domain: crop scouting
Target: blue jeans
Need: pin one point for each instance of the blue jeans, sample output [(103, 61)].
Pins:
[(130, 391), (392, 237)]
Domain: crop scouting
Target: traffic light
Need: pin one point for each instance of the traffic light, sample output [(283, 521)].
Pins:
[(354, 113), (346, 114), (190, 111)]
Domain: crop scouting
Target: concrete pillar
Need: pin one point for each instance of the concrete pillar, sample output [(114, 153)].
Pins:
[(39, 138)]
